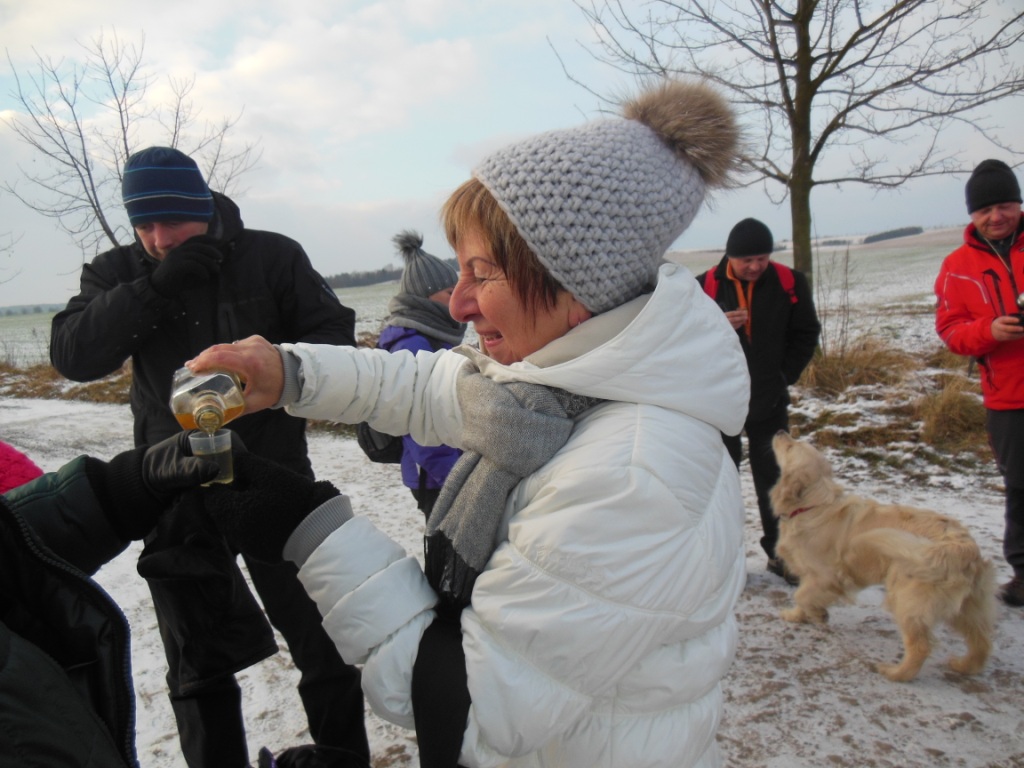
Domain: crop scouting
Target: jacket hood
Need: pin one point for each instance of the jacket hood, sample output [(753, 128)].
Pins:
[(672, 348), (227, 218)]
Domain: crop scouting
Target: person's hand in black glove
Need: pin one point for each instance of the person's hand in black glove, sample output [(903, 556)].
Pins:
[(264, 505), (192, 263), (168, 468), (135, 486)]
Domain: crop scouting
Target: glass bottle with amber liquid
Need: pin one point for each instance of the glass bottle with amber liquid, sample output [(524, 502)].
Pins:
[(205, 401)]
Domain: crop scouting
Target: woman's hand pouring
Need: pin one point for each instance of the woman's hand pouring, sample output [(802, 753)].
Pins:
[(257, 363)]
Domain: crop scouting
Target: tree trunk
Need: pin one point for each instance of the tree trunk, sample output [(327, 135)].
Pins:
[(802, 170), (800, 213)]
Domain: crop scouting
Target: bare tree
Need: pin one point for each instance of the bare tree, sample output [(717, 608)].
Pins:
[(817, 79), (85, 118)]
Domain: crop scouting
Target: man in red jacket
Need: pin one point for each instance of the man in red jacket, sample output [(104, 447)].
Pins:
[(978, 314)]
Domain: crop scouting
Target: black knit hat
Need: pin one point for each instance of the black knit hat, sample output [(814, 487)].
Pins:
[(164, 184), (749, 238), (424, 274), (991, 183)]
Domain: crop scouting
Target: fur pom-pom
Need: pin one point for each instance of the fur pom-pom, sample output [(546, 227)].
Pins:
[(696, 122), (409, 243)]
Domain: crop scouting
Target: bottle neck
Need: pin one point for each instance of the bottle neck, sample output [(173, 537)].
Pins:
[(208, 412)]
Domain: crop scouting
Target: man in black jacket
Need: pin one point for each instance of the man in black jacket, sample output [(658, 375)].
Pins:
[(194, 277), (772, 310)]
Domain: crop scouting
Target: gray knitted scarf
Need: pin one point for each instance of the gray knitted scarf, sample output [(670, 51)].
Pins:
[(428, 317), (509, 431)]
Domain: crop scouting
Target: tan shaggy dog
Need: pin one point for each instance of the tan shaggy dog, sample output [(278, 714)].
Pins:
[(839, 543)]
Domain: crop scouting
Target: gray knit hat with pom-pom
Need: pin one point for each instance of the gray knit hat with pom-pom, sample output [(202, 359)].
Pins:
[(424, 275), (600, 204)]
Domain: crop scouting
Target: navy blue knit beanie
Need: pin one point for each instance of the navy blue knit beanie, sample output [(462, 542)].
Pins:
[(164, 184)]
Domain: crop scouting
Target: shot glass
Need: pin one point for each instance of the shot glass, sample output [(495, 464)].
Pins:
[(218, 447)]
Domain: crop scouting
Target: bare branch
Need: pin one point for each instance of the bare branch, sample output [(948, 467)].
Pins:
[(839, 79), (7, 243), (84, 118)]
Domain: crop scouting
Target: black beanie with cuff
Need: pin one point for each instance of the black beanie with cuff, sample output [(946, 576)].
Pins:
[(749, 237), (992, 182)]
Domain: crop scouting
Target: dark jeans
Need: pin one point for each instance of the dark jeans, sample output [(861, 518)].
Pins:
[(763, 467), (1006, 436), (209, 719)]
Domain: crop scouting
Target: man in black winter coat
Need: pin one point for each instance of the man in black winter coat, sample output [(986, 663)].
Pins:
[(772, 310), (194, 277)]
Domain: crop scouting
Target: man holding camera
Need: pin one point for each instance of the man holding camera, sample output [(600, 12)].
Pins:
[(977, 315), (196, 276)]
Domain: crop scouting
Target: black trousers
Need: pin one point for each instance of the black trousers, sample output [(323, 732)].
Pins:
[(210, 723), (1006, 436), (426, 498), (763, 467)]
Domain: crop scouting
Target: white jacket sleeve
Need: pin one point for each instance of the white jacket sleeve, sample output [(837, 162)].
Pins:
[(376, 603), (398, 393)]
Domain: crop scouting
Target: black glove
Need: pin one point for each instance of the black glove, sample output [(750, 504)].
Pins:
[(135, 486), (169, 466), (264, 505), (192, 263)]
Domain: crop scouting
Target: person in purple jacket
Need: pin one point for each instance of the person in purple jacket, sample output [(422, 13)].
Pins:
[(419, 320)]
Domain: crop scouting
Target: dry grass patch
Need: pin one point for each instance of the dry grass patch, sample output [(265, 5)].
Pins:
[(828, 418), (940, 412), (941, 357), (865, 362), (110, 389), (42, 381), (953, 417), (854, 440), (36, 381)]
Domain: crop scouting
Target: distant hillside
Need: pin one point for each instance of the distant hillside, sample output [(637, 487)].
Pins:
[(383, 275), (358, 279), (937, 241), (30, 309)]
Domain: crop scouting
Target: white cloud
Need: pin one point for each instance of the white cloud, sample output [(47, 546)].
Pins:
[(368, 114)]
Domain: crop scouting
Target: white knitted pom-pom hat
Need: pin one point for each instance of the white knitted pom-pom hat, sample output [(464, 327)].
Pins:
[(601, 203)]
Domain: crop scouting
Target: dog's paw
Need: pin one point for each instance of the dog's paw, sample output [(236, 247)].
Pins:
[(967, 665), (898, 673), (803, 615), (795, 614)]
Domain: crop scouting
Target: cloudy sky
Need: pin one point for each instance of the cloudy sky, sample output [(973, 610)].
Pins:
[(368, 115)]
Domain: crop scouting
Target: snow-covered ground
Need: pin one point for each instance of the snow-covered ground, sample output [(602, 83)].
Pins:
[(797, 696)]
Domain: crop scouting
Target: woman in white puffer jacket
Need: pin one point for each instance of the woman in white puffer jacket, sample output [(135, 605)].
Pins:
[(585, 556)]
